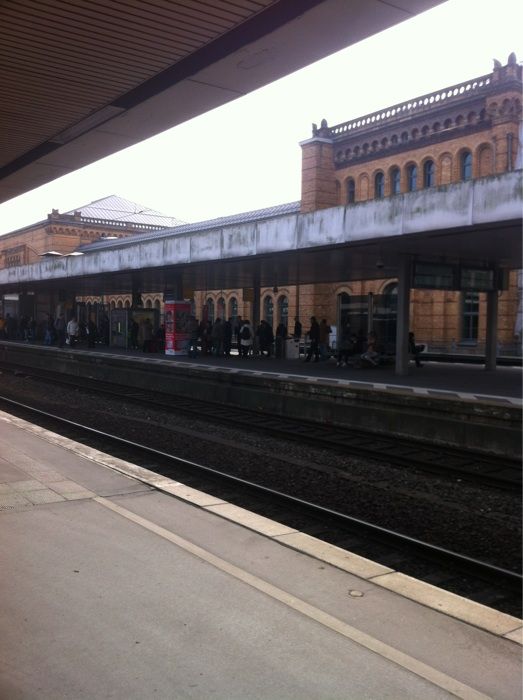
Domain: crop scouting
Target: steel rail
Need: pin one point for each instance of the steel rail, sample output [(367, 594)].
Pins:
[(434, 550)]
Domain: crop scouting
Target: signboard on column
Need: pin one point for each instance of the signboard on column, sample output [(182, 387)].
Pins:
[(176, 315)]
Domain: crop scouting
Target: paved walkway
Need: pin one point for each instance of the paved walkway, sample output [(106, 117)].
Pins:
[(118, 583)]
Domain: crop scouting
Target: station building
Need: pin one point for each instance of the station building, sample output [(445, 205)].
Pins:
[(459, 133), (62, 234)]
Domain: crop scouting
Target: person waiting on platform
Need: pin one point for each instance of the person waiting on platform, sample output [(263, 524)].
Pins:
[(91, 333), (325, 331), (73, 331), (194, 334), (371, 354), (415, 350), (297, 329), (245, 338), (314, 338), (281, 337), (265, 336), (227, 337), (347, 346), (217, 338), (60, 329)]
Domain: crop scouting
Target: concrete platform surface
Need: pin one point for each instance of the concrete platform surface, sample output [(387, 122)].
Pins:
[(118, 583), (459, 380)]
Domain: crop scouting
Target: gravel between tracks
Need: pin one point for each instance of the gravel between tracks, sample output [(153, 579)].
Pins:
[(475, 520)]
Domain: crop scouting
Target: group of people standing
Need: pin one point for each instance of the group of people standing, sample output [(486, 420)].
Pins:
[(218, 338), (319, 340), (352, 348), (54, 331)]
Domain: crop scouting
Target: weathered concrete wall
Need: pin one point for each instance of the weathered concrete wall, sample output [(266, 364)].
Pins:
[(489, 428), (493, 199)]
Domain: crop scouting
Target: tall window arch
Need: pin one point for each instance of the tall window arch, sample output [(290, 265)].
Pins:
[(233, 310), (429, 174), (412, 177), (283, 311), (148, 304), (395, 181), (351, 191), (210, 310), (220, 308), (466, 165), (390, 289), (379, 185), (268, 310), (343, 309)]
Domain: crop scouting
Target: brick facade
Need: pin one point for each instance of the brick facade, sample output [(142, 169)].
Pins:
[(464, 131), (460, 132)]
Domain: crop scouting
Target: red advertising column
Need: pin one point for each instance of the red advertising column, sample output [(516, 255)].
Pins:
[(177, 315)]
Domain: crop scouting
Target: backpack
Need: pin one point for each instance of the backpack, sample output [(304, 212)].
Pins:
[(245, 333)]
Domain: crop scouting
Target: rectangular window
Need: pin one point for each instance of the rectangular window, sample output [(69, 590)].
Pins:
[(433, 276), (470, 317)]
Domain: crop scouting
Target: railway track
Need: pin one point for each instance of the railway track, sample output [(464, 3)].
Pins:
[(492, 471), (478, 580)]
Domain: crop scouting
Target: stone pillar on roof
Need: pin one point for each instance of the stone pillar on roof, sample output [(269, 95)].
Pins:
[(318, 180)]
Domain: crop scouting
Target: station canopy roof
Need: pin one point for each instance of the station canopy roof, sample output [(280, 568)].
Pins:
[(81, 80)]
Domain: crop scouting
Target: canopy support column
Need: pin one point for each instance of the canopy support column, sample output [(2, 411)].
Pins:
[(491, 341), (256, 299), (402, 319)]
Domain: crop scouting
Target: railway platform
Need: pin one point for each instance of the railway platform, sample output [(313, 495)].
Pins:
[(120, 583), (456, 405)]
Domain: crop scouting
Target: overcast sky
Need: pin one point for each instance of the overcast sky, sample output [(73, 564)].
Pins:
[(246, 154)]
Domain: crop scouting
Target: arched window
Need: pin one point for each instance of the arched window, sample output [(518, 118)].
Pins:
[(466, 165), (351, 191), (157, 304), (283, 311), (429, 174), (113, 304), (127, 304), (379, 186), (268, 310), (210, 310), (220, 308), (343, 309), (148, 304), (390, 289), (395, 181), (412, 178), (233, 310), (119, 305)]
